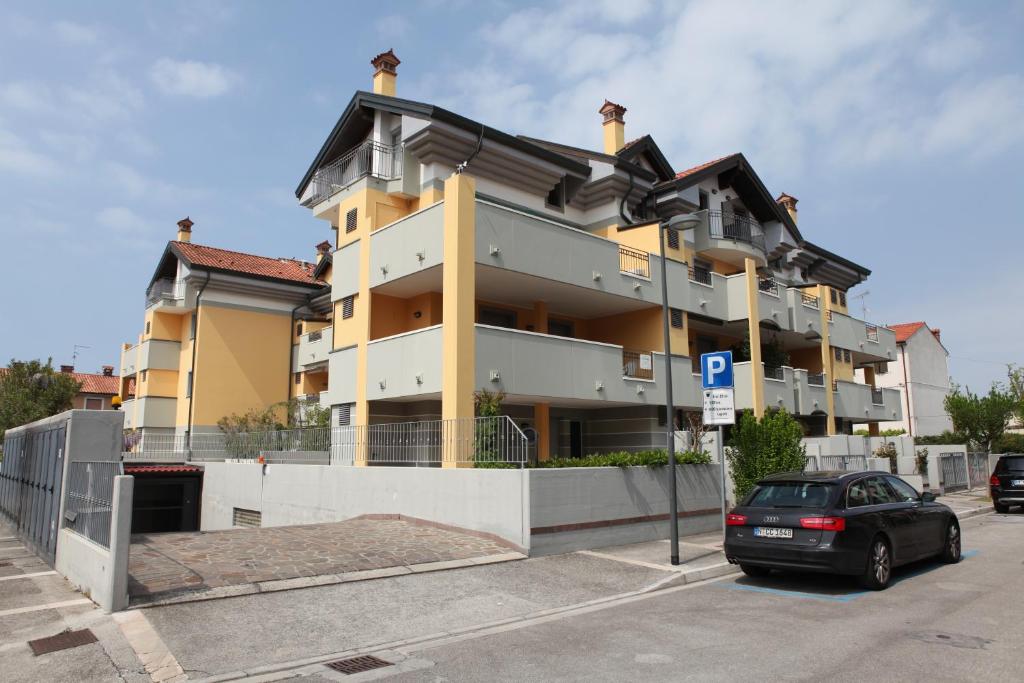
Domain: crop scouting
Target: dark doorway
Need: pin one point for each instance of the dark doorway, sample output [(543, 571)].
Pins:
[(165, 502), (575, 439)]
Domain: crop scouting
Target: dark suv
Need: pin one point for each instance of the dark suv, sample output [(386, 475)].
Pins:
[(1007, 483)]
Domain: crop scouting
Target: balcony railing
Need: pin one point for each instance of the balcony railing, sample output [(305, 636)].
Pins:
[(768, 285), (701, 275), (634, 262), (774, 373), (315, 335), (727, 225), (808, 300), (871, 331), (817, 380), (637, 364), (876, 397), (165, 289), (368, 159)]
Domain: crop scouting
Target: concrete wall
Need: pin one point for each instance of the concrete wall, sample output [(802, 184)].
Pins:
[(927, 373), (396, 250), (404, 365)]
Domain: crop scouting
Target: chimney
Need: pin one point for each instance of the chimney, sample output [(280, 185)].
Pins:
[(67, 369), (789, 204), (322, 249), (386, 64), (614, 127), (185, 229), (108, 370)]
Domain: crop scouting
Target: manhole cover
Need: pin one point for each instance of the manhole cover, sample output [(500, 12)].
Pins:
[(952, 640), (355, 665), (61, 641)]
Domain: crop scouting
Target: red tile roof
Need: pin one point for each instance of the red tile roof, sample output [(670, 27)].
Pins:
[(905, 331), (141, 469), (291, 270), (701, 167), (97, 384)]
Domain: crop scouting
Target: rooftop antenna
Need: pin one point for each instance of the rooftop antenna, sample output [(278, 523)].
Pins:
[(863, 296), (74, 353)]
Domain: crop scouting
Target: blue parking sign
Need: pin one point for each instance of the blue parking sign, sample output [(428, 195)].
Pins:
[(716, 370)]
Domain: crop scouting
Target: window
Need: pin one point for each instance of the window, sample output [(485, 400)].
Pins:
[(1009, 463), (298, 378), (192, 327), (791, 494), (832, 295), (676, 317), (348, 306), (702, 199), (879, 493), (673, 239), (94, 404), (344, 412), (350, 220), (188, 385), (680, 418), (842, 298), (298, 328), (847, 357), (905, 493), (838, 352), (144, 375), (561, 328), (857, 494), (498, 317), (881, 368)]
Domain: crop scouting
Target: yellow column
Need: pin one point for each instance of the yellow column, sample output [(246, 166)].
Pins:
[(542, 423), (754, 328), (540, 317), (361, 320), (458, 362), (826, 361)]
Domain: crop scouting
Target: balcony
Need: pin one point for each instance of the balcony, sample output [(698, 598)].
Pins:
[(152, 354), (314, 347), (410, 245), (863, 403), (404, 365), (150, 412), (370, 159), (874, 341), (731, 238), (811, 392), (166, 291), (634, 262)]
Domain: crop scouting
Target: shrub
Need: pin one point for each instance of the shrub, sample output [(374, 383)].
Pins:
[(761, 447), (888, 450), (946, 438), (921, 461), (628, 459), (1009, 443)]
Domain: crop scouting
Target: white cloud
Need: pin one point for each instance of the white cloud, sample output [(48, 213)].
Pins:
[(120, 219), (75, 34), (18, 158), (191, 78), (27, 96)]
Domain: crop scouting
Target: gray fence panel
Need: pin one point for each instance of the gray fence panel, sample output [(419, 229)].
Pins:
[(977, 469), (953, 470)]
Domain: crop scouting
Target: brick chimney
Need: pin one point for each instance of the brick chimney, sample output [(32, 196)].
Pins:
[(788, 202), (322, 249), (108, 370), (67, 369), (185, 229), (614, 126), (386, 65)]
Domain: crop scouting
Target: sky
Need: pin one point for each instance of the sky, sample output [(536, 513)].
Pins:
[(897, 125)]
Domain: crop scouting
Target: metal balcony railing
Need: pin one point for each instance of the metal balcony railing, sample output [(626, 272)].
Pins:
[(728, 225), (808, 300), (701, 275), (768, 285), (165, 289), (637, 364), (315, 335), (634, 262), (774, 373), (877, 397), (368, 159), (817, 380), (871, 331)]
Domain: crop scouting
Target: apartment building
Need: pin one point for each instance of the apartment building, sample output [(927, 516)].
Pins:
[(224, 332), (468, 258), (920, 373)]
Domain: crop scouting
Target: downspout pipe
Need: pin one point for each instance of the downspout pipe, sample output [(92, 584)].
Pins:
[(625, 198), (461, 168), (906, 389), (192, 367)]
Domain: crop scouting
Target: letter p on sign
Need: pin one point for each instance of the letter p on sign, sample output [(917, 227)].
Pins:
[(716, 370)]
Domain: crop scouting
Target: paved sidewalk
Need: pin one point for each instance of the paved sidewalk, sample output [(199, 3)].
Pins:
[(176, 565), (968, 503)]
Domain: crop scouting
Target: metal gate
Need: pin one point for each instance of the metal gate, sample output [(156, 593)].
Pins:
[(953, 472), (30, 485), (977, 469)]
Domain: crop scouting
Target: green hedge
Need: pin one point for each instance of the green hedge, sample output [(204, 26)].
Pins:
[(1009, 443), (617, 459)]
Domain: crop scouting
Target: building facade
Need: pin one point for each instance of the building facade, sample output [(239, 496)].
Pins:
[(920, 373), (466, 258)]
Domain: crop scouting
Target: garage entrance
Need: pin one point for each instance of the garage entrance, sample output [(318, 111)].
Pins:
[(166, 498)]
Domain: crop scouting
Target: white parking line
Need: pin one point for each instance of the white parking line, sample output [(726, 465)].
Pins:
[(151, 650), (26, 576), (9, 538), (51, 605)]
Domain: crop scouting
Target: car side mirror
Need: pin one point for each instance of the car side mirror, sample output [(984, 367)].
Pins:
[(927, 497)]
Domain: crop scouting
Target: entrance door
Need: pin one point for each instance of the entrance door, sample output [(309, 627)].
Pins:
[(575, 439)]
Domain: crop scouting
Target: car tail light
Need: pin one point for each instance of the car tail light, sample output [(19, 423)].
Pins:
[(824, 523), (994, 481), (735, 520)]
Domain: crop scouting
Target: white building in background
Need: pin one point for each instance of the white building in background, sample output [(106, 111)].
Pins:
[(921, 373)]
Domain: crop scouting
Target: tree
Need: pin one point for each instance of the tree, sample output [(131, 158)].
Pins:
[(1015, 387), (981, 419), (31, 390), (761, 447)]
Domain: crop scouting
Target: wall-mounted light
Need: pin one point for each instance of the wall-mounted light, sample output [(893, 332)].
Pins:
[(494, 250), (495, 376), (703, 303), (599, 385), (384, 270), (639, 389), (417, 314), (596, 275), (419, 378), (382, 384), (421, 255)]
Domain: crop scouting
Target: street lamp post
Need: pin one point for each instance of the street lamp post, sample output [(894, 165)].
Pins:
[(680, 222)]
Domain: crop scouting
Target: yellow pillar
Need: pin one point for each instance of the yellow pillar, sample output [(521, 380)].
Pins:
[(458, 362), (826, 361), (540, 317), (361, 320), (754, 328), (542, 423)]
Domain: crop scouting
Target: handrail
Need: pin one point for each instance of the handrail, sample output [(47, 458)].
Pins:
[(634, 262), (700, 275), (727, 225), (370, 158)]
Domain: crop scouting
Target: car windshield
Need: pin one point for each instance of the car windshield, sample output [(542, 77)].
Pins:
[(1014, 464), (791, 494)]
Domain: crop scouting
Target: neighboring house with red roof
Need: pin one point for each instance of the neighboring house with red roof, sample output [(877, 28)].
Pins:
[(221, 335), (97, 390), (921, 374)]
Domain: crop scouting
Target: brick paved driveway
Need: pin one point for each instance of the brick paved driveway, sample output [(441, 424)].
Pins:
[(168, 564)]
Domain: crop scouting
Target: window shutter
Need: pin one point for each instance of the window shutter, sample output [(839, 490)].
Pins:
[(344, 414), (839, 353), (350, 220), (847, 356), (348, 305), (842, 298), (298, 378), (673, 239), (676, 316), (832, 295)]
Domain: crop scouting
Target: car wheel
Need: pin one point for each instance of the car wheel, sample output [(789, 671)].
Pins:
[(1000, 508), (754, 571), (879, 565), (951, 546)]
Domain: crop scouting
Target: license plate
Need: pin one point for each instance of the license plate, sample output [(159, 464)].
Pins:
[(1017, 482), (772, 532)]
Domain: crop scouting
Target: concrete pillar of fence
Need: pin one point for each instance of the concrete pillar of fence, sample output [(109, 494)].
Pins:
[(120, 541)]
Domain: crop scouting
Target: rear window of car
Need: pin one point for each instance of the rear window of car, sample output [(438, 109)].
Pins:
[(1012, 464), (796, 494)]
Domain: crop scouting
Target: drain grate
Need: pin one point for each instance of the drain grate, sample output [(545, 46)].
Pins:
[(61, 641), (355, 665)]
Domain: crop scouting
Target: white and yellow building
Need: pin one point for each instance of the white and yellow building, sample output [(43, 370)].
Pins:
[(467, 258)]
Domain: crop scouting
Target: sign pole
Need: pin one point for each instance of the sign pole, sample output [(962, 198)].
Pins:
[(719, 407), (721, 464)]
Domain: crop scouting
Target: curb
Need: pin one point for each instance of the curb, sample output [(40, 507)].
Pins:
[(977, 512), (278, 585)]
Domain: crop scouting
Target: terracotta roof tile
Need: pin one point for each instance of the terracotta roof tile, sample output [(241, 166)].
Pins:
[(701, 167), (97, 384), (139, 469), (290, 270), (905, 330)]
